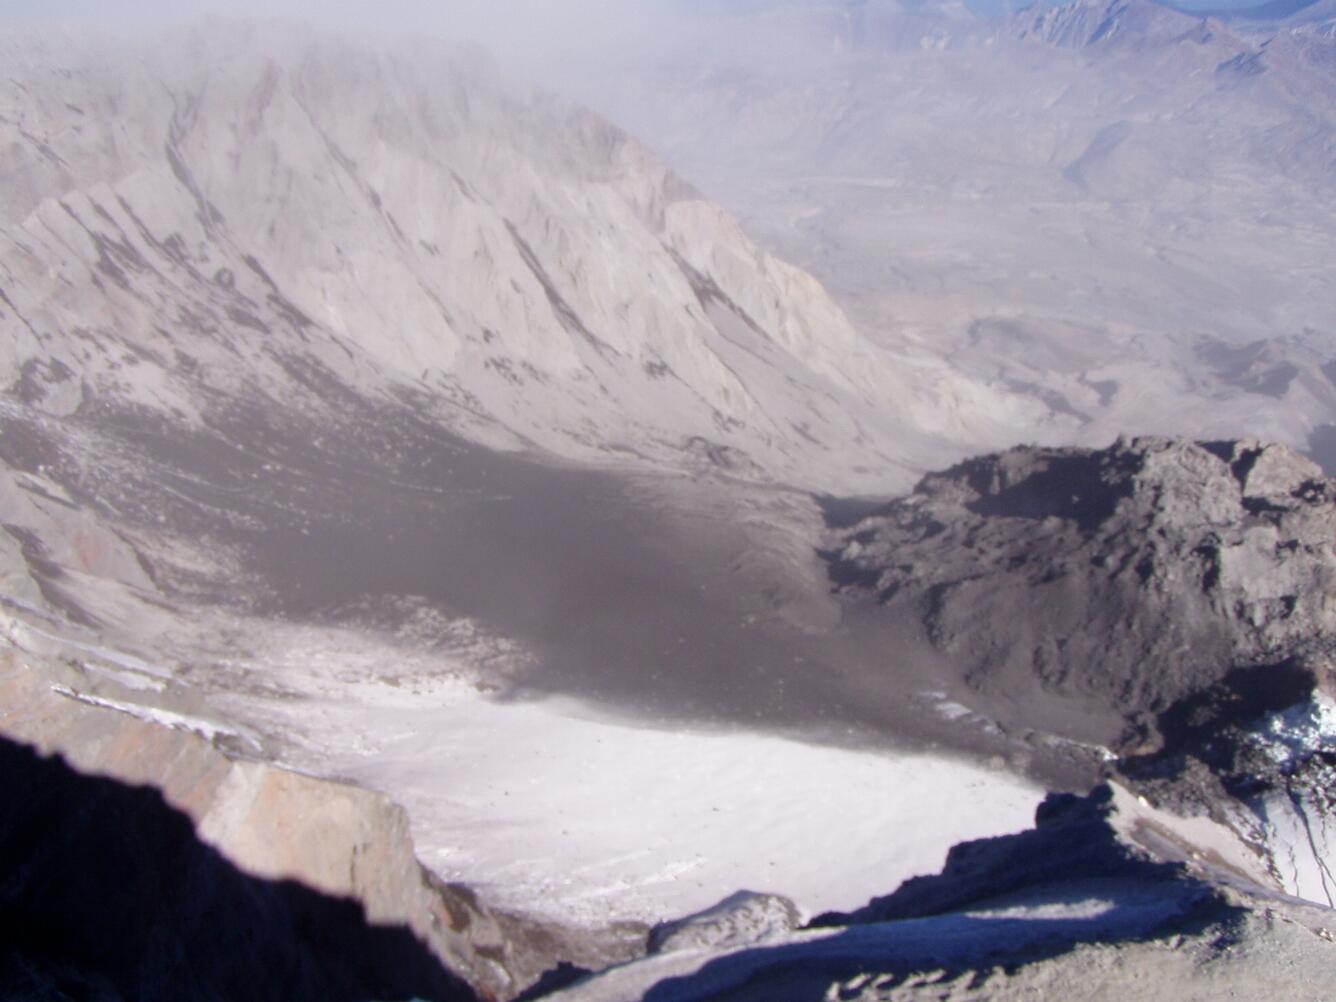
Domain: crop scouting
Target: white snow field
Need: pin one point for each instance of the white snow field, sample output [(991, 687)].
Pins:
[(552, 808)]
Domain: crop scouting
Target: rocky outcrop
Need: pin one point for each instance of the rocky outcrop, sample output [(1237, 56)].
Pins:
[(1109, 584), (1172, 600)]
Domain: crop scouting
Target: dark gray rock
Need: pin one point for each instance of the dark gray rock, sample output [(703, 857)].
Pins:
[(1086, 591)]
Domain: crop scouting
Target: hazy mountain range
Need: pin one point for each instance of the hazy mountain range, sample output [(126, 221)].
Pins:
[(1117, 209)]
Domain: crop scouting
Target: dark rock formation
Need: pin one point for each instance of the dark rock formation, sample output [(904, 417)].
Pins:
[(1091, 590)]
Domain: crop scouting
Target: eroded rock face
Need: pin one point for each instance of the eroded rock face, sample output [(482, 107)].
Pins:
[(237, 209), (1117, 580)]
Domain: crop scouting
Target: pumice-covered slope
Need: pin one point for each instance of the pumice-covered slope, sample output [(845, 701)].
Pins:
[(242, 209)]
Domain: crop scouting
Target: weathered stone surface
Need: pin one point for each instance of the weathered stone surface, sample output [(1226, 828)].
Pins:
[(1105, 896)]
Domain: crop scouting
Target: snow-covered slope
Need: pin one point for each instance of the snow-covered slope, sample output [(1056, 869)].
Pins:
[(218, 212)]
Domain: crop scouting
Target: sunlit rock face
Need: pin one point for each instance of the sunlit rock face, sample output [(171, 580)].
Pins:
[(145, 863)]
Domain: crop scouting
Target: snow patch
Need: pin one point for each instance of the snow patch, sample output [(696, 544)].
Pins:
[(207, 729)]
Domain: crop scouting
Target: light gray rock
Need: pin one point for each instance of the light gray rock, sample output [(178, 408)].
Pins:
[(237, 208), (742, 919)]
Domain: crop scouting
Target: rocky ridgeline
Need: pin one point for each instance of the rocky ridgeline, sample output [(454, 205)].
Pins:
[(1121, 580)]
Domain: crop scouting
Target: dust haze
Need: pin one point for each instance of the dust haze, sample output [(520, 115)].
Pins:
[(668, 456)]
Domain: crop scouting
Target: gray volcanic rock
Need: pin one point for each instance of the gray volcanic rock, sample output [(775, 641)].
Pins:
[(1070, 584), (1170, 599)]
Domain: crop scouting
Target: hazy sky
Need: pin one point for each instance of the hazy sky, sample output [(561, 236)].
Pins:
[(528, 18), (519, 28)]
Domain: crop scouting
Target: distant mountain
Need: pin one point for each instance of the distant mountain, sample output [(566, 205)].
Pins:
[(1112, 207), (1110, 23), (1276, 10)]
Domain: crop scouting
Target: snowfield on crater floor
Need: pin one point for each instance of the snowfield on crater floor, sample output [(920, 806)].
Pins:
[(551, 807)]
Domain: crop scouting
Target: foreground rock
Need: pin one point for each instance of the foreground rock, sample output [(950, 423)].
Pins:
[(743, 919), (142, 863)]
